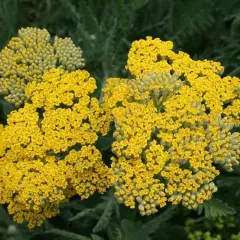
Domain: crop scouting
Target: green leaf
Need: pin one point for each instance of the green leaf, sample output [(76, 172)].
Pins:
[(96, 237), (229, 181), (86, 212), (2, 230), (4, 216), (235, 72), (216, 208), (128, 227), (114, 233), (137, 4), (132, 230), (152, 225), (105, 218), (104, 142), (137, 230), (6, 107), (68, 235)]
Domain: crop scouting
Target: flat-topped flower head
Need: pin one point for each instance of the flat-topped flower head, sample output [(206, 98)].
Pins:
[(154, 55), (47, 147), (174, 127), (26, 57)]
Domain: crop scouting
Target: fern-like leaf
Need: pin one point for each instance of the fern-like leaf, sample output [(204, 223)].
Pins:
[(68, 235), (114, 233), (86, 212), (96, 237), (216, 208), (105, 218), (152, 225)]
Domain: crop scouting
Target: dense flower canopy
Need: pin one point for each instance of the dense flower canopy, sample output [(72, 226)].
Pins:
[(175, 127), (47, 151), (28, 56)]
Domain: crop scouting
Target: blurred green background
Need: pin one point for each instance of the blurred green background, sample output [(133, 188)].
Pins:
[(104, 29)]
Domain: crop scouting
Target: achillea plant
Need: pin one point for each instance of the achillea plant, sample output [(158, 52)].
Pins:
[(175, 127), (28, 56), (47, 147), (221, 228)]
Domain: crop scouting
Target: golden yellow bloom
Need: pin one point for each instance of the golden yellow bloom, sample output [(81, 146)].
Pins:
[(153, 55), (232, 111), (28, 56), (174, 127), (136, 183), (47, 147)]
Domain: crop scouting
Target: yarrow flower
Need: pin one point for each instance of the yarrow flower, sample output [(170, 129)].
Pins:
[(47, 147), (28, 56), (174, 127), (153, 55)]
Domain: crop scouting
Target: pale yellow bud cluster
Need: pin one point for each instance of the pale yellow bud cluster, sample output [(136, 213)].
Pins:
[(224, 146), (192, 199), (69, 56), (28, 56)]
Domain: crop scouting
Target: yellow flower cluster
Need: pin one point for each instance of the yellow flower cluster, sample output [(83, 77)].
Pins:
[(28, 56), (153, 55), (174, 127), (47, 147)]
